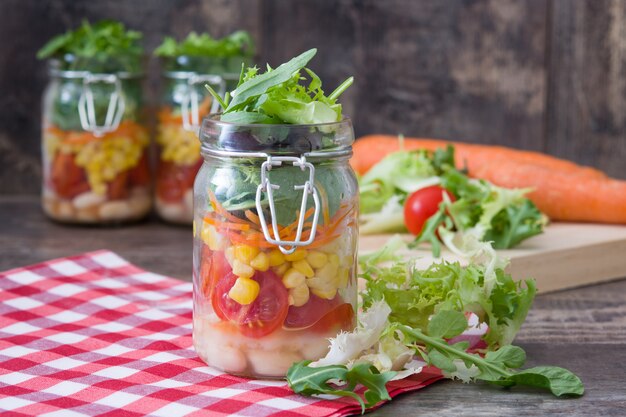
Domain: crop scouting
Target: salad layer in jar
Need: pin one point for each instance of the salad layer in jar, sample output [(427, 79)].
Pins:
[(94, 149), (275, 228), (188, 65)]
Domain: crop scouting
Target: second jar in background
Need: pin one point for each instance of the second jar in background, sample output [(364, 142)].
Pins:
[(184, 102)]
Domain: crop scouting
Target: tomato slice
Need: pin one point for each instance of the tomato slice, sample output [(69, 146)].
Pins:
[(140, 173), (174, 180), (67, 178), (340, 318), (118, 188), (310, 313), (259, 318), (213, 267)]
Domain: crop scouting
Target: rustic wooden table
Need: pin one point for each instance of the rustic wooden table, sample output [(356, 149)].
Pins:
[(582, 329)]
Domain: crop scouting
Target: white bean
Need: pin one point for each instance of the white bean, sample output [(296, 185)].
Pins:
[(226, 358), (88, 199), (174, 212), (140, 204), (115, 210), (272, 363), (87, 215), (64, 210), (315, 349)]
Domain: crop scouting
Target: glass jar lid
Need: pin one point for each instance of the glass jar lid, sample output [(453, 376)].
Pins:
[(73, 66), (231, 139)]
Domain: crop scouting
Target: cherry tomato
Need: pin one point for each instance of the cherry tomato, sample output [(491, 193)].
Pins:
[(67, 178), (140, 173), (117, 189), (314, 311), (340, 318), (214, 267), (262, 316), (174, 180), (421, 205)]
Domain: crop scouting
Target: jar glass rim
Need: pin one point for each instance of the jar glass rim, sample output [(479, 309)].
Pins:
[(212, 118), (218, 136)]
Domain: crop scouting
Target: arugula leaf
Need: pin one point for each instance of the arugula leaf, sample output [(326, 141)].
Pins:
[(496, 368), (509, 356), (305, 380), (238, 43), (259, 84), (558, 380)]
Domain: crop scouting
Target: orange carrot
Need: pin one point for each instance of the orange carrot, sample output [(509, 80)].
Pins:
[(559, 194), (562, 189), (369, 150)]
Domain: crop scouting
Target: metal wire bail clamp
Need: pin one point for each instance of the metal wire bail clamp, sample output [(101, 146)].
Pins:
[(307, 188), (189, 108), (86, 107)]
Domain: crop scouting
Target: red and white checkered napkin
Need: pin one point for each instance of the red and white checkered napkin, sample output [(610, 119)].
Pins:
[(92, 335)]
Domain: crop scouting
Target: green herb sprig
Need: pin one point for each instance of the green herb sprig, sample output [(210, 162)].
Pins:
[(103, 45), (238, 43)]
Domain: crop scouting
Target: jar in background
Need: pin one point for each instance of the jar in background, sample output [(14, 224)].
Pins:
[(275, 242), (184, 102), (94, 148)]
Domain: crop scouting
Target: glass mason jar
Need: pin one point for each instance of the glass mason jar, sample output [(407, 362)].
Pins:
[(184, 102), (94, 149), (275, 240)]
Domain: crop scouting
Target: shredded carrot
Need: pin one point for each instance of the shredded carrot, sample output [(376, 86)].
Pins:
[(226, 225), (253, 217), (219, 209)]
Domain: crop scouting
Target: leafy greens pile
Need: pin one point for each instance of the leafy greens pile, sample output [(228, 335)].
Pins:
[(410, 312), (277, 96), (105, 46), (238, 43), (485, 211)]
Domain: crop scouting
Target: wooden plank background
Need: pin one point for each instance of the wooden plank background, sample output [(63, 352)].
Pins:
[(547, 75)]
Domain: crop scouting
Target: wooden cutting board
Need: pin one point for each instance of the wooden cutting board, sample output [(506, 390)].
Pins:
[(566, 255)]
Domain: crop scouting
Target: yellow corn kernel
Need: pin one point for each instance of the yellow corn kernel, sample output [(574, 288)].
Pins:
[(242, 270), (245, 253), (245, 291), (299, 295), (280, 270), (322, 283), (343, 276), (261, 262), (293, 278), (327, 272), (333, 259), (298, 255), (316, 259), (304, 267), (276, 257), (212, 238), (328, 294), (229, 253)]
